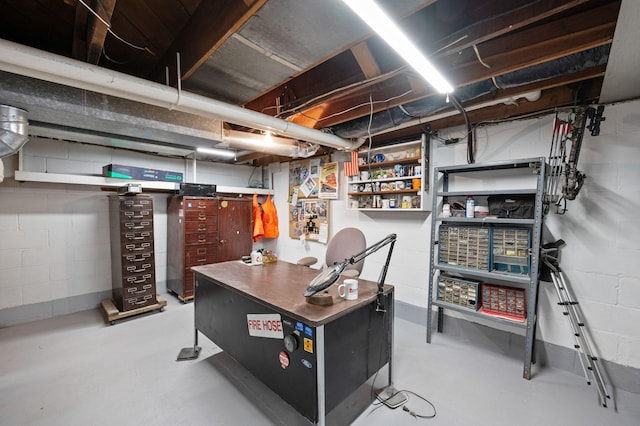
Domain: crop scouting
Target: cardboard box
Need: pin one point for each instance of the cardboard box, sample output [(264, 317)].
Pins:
[(140, 173)]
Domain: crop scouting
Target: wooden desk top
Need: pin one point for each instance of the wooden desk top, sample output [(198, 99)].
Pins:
[(280, 285)]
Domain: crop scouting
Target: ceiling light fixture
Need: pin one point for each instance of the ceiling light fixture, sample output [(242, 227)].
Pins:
[(217, 151), (268, 138), (375, 17)]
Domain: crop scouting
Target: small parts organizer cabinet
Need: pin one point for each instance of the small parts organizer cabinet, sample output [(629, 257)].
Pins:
[(391, 178), (132, 251), (203, 230), (487, 266)]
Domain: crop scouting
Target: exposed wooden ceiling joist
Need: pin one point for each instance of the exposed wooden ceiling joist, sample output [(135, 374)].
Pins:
[(365, 60), (551, 98), (209, 27), (97, 29), (540, 44), (79, 47), (498, 24), (510, 53)]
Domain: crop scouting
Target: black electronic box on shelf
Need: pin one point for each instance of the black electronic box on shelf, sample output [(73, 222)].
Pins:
[(197, 190)]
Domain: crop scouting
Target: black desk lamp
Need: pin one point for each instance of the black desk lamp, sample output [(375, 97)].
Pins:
[(327, 278), (389, 395)]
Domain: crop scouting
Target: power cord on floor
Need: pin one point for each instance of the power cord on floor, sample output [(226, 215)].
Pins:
[(416, 415), (405, 408), (388, 400)]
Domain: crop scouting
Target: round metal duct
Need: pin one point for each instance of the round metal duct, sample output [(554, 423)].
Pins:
[(13, 129)]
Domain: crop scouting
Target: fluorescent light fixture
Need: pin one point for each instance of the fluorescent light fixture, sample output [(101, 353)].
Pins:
[(217, 151), (375, 17)]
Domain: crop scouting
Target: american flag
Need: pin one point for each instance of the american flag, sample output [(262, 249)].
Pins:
[(351, 168)]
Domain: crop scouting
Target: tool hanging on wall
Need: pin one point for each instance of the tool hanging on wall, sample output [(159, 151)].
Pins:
[(582, 340), (565, 180)]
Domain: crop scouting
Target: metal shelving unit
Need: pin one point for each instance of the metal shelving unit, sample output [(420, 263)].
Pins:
[(443, 178)]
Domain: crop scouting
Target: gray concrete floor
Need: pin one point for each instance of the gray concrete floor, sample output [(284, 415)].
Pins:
[(77, 370)]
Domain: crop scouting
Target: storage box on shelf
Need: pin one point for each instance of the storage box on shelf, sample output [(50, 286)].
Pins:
[(464, 246), (497, 243), (468, 247), (394, 178), (510, 250), (505, 302), (459, 292)]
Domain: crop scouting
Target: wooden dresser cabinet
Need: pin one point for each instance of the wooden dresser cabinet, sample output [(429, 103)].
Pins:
[(203, 230), (132, 251)]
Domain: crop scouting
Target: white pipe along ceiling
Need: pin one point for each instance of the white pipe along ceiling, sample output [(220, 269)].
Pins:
[(30, 62)]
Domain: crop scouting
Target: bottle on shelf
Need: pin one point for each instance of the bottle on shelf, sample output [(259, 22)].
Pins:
[(470, 206)]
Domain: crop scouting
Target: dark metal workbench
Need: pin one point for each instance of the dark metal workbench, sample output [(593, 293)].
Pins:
[(340, 347)]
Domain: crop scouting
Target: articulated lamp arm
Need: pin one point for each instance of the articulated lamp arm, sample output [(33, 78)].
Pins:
[(326, 278)]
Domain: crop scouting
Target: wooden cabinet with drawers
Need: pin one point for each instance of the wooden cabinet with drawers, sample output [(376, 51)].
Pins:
[(132, 251), (203, 230)]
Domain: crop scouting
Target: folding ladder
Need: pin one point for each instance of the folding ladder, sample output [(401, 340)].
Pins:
[(582, 339)]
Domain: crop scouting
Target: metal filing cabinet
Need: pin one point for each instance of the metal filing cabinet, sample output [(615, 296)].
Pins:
[(203, 230), (132, 251)]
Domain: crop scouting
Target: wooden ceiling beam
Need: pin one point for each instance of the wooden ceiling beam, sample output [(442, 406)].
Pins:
[(488, 29), (551, 98), (539, 44), (510, 53), (306, 83), (208, 28), (79, 43), (366, 61), (394, 92), (96, 29), (501, 24)]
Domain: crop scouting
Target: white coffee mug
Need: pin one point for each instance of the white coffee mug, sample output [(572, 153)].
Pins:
[(256, 257), (349, 289)]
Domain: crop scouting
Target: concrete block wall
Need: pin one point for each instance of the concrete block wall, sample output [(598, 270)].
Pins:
[(54, 239), (603, 235), (52, 252), (600, 227), (601, 230)]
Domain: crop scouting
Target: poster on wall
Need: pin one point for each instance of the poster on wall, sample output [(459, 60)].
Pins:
[(308, 187), (329, 181), (299, 174)]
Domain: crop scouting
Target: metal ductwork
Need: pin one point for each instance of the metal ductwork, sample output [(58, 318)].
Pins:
[(13, 129), (22, 60)]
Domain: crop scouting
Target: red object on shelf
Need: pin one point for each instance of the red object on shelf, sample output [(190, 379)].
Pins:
[(506, 302)]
